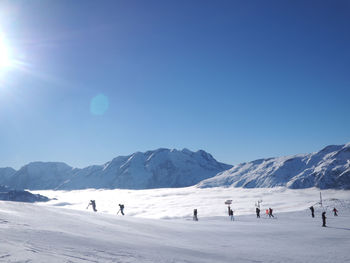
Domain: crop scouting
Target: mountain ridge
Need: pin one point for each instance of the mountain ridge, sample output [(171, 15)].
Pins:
[(327, 168), (159, 168), (167, 168)]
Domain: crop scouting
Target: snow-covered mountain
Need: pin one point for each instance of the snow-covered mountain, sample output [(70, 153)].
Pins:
[(152, 169), (5, 174), (165, 168), (40, 175), (7, 194), (328, 168)]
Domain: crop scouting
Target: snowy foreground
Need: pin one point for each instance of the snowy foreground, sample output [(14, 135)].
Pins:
[(63, 230)]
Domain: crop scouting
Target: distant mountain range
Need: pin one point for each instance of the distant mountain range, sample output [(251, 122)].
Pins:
[(7, 194), (328, 168), (165, 168), (152, 169)]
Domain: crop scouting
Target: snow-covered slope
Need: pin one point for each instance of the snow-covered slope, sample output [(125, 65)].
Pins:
[(328, 168), (44, 233), (151, 169)]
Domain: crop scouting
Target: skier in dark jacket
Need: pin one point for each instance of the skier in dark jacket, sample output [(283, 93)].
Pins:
[(257, 212), (324, 219), (312, 211), (195, 213), (335, 211), (270, 212), (121, 209), (231, 214), (93, 204)]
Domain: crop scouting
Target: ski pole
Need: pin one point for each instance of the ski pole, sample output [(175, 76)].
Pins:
[(118, 211)]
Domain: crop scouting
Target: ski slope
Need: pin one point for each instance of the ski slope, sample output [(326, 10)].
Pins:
[(63, 230)]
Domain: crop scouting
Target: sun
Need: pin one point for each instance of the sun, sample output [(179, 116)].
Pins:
[(5, 53)]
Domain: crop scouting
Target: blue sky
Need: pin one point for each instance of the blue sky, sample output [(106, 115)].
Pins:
[(240, 79)]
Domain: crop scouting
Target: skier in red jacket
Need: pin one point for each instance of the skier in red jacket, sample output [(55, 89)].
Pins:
[(335, 211)]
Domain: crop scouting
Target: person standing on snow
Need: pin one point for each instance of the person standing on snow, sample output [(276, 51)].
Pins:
[(270, 212), (335, 211), (231, 214), (312, 211), (121, 209), (324, 219), (195, 213), (257, 212), (93, 204)]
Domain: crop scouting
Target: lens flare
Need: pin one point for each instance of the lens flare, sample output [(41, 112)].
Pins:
[(99, 104)]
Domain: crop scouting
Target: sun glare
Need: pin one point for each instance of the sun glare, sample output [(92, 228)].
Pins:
[(5, 53)]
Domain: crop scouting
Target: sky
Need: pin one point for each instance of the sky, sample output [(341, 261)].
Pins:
[(86, 81)]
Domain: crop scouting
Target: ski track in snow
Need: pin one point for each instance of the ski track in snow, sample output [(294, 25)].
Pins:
[(63, 230)]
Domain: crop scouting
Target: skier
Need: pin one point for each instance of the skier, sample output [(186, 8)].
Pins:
[(195, 218), (231, 214), (312, 211), (93, 204), (335, 211), (257, 212), (229, 210), (121, 209), (267, 212), (270, 212), (324, 219)]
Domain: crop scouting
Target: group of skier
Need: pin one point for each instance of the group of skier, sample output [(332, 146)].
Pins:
[(230, 212), (335, 211), (268, 212), (195, 214), (93, 204)]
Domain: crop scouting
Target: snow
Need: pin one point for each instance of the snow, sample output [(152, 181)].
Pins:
[(151, 169), (328, 168), (63, 230), (172, 203)]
